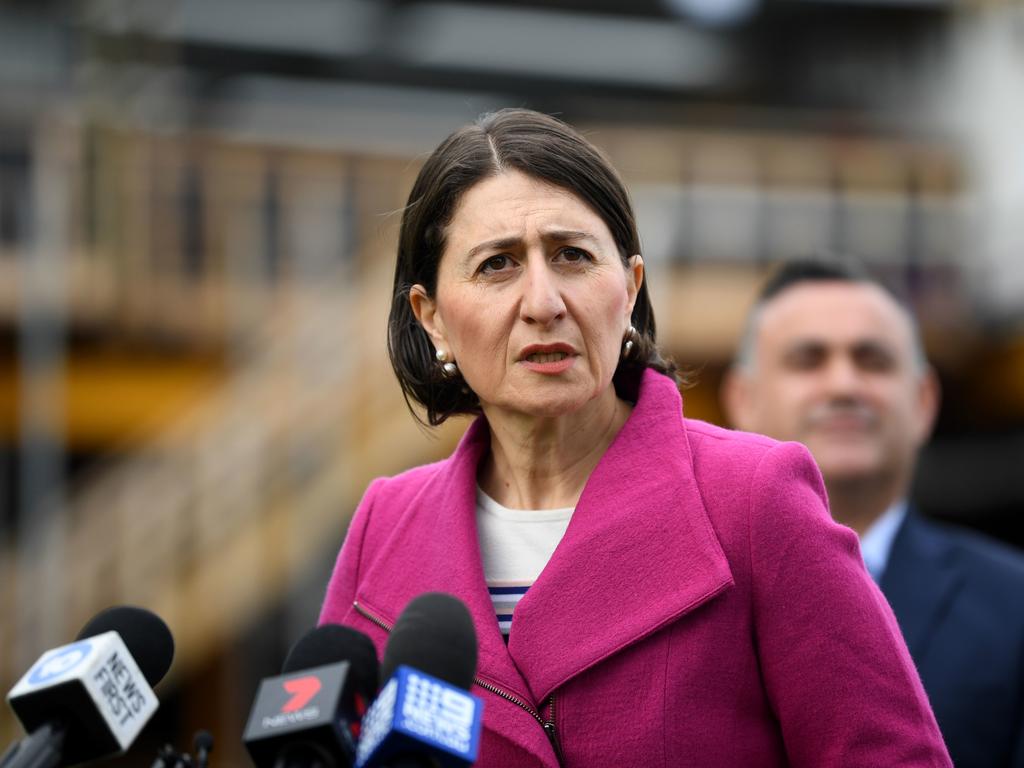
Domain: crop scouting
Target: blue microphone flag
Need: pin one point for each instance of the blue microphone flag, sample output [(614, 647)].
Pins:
[(418, 714)]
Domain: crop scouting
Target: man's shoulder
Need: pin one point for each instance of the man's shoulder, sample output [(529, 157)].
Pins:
[(982, 555)]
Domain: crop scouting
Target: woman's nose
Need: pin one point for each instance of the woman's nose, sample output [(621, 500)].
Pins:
[(542, 299)]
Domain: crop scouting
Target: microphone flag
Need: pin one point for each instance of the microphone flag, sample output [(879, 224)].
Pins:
[(95, 687), (302, 705), (416, 713)]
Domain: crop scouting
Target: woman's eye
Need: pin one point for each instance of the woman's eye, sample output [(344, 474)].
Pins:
[(495, 264), (574, 255)]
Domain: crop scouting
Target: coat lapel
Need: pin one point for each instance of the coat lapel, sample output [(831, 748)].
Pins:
[(919, 581), (435, 543), (639, 551)]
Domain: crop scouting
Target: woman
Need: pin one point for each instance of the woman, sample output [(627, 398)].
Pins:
[(688, 600)]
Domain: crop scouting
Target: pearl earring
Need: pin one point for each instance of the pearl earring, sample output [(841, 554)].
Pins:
[(449, 369), (627, 348)]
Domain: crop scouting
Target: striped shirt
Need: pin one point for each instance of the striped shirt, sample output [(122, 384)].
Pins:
[(515, 545), (505, 596)]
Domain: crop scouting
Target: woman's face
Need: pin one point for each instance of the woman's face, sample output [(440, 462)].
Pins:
[(532, 299)]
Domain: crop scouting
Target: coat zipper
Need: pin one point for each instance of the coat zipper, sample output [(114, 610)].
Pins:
[(548, 725), (550, 729)]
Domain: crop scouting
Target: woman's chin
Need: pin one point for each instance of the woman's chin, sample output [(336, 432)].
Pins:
[(549, 402)]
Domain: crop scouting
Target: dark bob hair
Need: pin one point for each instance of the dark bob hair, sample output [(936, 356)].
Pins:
[(539, 146)]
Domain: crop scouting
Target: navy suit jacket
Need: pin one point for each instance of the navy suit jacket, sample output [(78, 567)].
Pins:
[(959, 600)]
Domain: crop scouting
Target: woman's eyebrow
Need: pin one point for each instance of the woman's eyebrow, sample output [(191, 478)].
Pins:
[(556, 235), (497, 244), (567, 235)]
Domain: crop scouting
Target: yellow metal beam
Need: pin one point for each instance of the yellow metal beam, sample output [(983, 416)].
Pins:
[(109, 399)]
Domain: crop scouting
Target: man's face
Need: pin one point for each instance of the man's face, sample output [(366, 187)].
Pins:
[(834, 369)]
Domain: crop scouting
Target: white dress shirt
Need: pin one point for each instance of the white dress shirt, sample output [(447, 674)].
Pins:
[(876, 543)]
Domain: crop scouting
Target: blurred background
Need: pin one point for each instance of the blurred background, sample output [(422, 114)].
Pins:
[(199, 202)]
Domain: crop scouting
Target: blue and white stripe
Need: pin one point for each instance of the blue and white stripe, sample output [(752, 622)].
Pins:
[(506, 596)]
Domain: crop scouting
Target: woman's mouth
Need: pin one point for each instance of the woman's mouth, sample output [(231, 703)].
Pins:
[(546, 357), (550, 359)]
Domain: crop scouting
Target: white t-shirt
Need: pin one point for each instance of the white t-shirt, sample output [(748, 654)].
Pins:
[(515, 545)]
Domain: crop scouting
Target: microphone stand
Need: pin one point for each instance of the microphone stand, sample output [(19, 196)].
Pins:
[(40, 749)]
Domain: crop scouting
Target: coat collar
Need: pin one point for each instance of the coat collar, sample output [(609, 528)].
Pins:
[(639, 552)]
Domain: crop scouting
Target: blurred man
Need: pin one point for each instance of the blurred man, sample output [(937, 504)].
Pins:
[(831, 359)]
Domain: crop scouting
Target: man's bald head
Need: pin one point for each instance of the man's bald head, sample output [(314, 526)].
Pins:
[(799, 272), (831, 359)]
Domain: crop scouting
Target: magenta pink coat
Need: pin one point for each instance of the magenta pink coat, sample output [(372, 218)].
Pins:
[(702, 609)]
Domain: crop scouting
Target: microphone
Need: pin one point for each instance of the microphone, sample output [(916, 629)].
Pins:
[(203, 743), (168, 757), (424, 715), (309, 716), (92, 697)]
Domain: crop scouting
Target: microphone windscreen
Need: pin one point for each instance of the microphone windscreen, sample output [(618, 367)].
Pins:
[(203, 741), (145, 634), (434, 634), (334, 643)]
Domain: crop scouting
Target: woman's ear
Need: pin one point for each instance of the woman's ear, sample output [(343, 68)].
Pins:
[(425, 310), (634, 278)]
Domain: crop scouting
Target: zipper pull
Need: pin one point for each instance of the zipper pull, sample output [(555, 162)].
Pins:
[(549, 729)]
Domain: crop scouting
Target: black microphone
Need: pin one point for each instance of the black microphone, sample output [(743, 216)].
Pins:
[(168, 757), (424, 715), (310, 715), (203, 743), (92, 697)]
